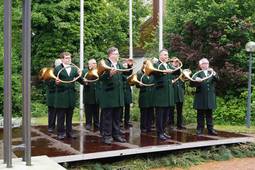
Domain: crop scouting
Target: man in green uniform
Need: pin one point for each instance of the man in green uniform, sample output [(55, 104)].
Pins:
[(163, 94), (90, 99), (111, 98), (65, 95), (179, 87), (145, 100), (127, 102), (50, 97), (205, 98)]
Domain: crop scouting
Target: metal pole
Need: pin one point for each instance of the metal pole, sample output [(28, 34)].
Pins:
[(26, 81), (160, 25), (7, 83), (81, 58), (130, 30), (248, 113)]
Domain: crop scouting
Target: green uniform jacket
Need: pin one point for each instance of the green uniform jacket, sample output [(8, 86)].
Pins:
[(179, 89), (164, 90), (205, 97), (89, 91), (50, 92), (111, 88), (127, 91), (65, 92), (145, 99)]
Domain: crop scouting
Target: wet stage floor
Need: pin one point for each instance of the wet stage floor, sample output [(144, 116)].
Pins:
[(88, 144)]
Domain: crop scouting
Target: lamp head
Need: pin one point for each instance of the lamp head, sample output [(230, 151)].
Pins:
[(250, 47)]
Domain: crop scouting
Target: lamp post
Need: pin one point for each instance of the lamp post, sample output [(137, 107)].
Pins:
[(250, 48)]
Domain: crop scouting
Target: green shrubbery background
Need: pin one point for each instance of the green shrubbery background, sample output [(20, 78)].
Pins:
[(218, 30)]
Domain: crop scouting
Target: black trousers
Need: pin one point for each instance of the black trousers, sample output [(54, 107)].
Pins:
[(51, 117), (162, 117), (126, 111), (201, 116), (178, 107), (92, 112), (110, 122), (146, 118), (62, 115)]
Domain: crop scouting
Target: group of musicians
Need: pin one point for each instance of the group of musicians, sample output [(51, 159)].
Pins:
[(159, 94)]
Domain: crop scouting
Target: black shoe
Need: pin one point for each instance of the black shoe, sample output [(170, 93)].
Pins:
[(71, 136), (212, 132), (119, 139), (50, 130), (167, 136), (199, 132), (128, 125), (107, 141), (181, 127), (171, 127), (162, 137), (61, 137), (88, 127), (122, 132), (143, 131)]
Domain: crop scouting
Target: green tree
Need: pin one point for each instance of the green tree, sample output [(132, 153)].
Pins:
[(214, 29)]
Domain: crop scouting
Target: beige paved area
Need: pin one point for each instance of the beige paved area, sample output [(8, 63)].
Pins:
[(233, 164), (38, 163)]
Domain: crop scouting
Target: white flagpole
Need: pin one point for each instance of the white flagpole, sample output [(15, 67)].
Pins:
[(160, 25), (130, 30), (81, 57)]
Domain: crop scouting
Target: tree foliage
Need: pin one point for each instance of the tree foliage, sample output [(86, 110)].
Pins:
[(56, 28), (217, 30), (214, 29)]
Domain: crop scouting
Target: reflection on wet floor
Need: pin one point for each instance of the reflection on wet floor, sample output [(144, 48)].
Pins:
[(44, 143)]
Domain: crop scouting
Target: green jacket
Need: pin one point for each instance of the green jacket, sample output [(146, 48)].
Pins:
[(127, 91), (90, 91), (205, 97), (111, 88), (65, 92), (50, 92), (164, 90), (145, 99), (179, 89)]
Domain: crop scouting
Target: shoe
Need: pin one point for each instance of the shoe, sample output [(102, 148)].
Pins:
[(107, 141), (61, 137), (122, 132), (212, 132), (167, 136), (50, 130), (199, 132), (162, 137), (120, 139), (171, 127), (71, 136), (88, 127), (181, 127), (128, 125), (143, 131)]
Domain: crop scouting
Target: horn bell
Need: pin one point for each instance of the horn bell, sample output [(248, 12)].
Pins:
[(149, 68), (46, 73), (133, 80), (92, 74)]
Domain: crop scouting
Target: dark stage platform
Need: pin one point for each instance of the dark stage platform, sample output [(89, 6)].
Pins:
[(88, 144)]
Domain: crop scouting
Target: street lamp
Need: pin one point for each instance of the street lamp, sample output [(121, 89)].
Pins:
[(250, 48)]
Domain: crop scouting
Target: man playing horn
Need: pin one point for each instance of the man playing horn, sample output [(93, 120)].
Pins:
[(205, 98), (163, 94), (90, 99), (179, 87), (65, 95), (111, 98)]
